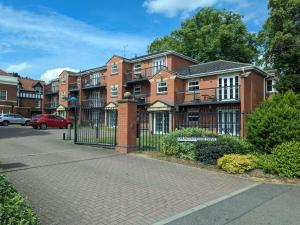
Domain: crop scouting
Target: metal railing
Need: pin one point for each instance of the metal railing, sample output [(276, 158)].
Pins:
[(209, 95), (145, 73), (93, 103), (90, 83), (51, 91), (51, 105), (73, 87)]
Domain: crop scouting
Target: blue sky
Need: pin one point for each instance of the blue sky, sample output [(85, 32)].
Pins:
[(39, 38)]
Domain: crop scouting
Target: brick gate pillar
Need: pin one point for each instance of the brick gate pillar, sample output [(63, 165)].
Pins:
[(127, 126)]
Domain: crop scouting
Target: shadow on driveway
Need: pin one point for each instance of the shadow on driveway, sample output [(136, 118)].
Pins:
[(20, 131)]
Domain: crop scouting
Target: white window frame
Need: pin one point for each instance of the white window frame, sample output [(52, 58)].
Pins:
[(1, 95), (228, 91), (158, 64), (137, 90), (197, 87), (114, 90), (273, 83), (159, 87), (229, 121), (114, 68), (137, 68), (95, 79)]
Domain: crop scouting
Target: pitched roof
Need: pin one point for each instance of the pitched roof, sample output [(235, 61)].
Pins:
[(2, 72), (215, 66), (28, 84)]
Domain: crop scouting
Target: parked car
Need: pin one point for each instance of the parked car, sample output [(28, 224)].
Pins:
[(6, 119), (49, 120)]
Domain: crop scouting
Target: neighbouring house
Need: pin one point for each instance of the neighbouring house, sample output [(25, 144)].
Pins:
[(29, 96), (8, 92), (174, 89)]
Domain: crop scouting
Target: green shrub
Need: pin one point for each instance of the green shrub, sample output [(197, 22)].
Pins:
[(276, 121), (171, 147), (236, 163), (284, 160), (14, 209), (209, 152)]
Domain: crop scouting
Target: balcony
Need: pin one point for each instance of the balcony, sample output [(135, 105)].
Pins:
[(143, 74), (219, 95), (51, 91), (73, 87), (51, 105), (142, 99), (93, 103), (91, 84)]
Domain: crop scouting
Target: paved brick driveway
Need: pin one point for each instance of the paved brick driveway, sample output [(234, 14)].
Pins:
[(71, 184)]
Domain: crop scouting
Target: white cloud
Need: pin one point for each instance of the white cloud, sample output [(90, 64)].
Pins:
[(171, 8), (51, 40), (17, 68), (54, 73)]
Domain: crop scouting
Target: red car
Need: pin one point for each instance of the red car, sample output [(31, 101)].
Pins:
[(49, 120)]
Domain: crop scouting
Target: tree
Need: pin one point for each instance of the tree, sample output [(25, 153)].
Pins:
[(280, 37), (209, 35), (288, 82), (276, 121)]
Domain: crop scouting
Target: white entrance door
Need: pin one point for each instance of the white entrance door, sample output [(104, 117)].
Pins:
[(229, 122), (111, 117), (228, 89), (161, 122)]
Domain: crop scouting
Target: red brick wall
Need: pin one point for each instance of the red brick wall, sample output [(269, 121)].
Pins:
[(8, 106)]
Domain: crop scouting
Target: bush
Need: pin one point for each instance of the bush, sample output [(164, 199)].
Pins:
[(284, 160), (171, 147), (14, 209), (276, 121), (209, 152), (235, 163)]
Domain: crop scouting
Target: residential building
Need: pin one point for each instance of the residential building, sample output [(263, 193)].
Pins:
[(29, 96), (216, 95), (8, 92)]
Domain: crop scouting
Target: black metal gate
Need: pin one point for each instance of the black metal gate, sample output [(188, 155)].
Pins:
[(152, 126), (96, 126)]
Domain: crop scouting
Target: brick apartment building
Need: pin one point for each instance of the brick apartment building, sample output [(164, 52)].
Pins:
[(8, 92), (29, 97), (217, 92)]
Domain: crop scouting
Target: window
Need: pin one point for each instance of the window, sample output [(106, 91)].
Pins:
[(162, 87), (114, 68), (54, 87), (62, 95), (114, 90), (270, 86), (193, 117), (137, 68), (158, 64), (193, 85), (37, 103), (3, 95), (137, 90), (95, 79), (38, 89)]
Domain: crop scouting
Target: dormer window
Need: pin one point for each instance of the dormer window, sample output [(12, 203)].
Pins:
[(38, 89), (114, 68)]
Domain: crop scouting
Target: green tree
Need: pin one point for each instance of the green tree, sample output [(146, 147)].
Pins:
[(209, 35), (276, 121), (288, 82), (280, 37)]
